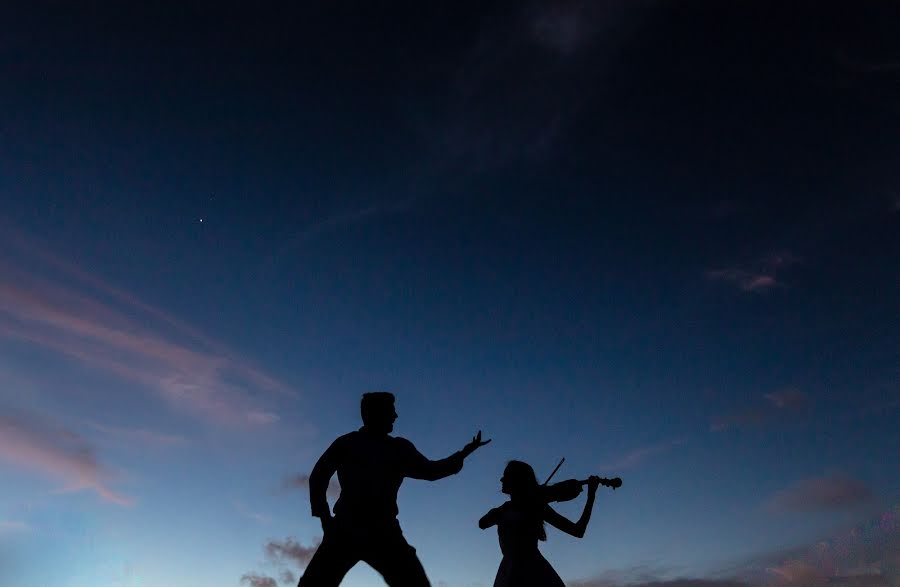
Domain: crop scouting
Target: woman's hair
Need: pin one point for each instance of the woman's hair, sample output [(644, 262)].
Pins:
[(523, 487)]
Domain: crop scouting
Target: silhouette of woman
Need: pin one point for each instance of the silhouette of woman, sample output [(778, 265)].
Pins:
[(520, 525)]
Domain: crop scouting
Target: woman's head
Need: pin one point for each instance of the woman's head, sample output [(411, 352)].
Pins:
[(520, 483), (518, 479)]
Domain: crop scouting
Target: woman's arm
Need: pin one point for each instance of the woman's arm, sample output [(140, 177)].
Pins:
[(576, 529), (489, 519)]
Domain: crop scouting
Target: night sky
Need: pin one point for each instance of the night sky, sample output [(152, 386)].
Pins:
[(657, 238)]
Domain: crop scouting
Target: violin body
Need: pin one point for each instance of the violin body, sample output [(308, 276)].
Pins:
[(563, 491), (571, 488)]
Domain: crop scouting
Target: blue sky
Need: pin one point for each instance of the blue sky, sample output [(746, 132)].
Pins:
[(657, 240)]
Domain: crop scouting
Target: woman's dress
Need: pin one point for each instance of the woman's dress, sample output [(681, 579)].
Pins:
[(523, 565)]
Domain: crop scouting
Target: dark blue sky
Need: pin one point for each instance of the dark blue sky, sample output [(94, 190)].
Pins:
[(657, 238)]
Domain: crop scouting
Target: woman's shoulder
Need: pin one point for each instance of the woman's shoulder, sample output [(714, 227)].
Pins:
[(504, 508)]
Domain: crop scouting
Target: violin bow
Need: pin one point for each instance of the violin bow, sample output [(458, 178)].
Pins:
[(561, 461)]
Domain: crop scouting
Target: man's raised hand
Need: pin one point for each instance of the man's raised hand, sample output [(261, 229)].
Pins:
[(475, 444)]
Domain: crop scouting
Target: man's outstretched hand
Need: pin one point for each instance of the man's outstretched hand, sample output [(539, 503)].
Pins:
[(475, 444)]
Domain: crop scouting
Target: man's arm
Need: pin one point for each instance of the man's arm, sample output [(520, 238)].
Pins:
[(419, 467), (319, 478)]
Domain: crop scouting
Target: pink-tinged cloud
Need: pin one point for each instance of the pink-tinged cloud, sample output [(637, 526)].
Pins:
[(790, 399), (629, 578), (786, 400), (866, 555), (58, 453), (797, 572), (759, 279), (9, 526), (833, 492), (742, 419), (257, 580), (57, 306), (287, 577), (639, 455), (744, 280), (141, 437), (562, 27), (300, 482), (290, 551), (565, 28), (250, 514)]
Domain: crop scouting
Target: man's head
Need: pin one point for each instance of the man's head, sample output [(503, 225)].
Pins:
[(377, 410)]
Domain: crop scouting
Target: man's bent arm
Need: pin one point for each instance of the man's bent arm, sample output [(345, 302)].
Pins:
[(419, 467), (318, 481)]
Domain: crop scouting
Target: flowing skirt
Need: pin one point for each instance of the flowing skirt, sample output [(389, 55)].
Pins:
[(529, 569)]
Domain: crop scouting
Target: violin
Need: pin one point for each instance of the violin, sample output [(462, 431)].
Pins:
[(571, 488)]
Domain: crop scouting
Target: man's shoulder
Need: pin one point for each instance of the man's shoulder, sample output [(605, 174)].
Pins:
[(345, 439), (402, 443)]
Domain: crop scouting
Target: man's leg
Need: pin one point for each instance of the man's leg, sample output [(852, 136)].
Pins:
[(335, 556), (396, 560)]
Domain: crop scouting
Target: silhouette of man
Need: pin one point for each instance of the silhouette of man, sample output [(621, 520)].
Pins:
[(371, 464)]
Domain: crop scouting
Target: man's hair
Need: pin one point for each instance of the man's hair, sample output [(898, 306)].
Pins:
[(373, 403)]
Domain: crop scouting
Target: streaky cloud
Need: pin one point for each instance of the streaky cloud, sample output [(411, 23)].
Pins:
[(53, 304), (862, 555), (641, 454), (8, 526), (784, 400), (759, 279), (250, 514), (827, 493), (290, 550), (142, 437), (31, 443), (746, 281), (257, 580)]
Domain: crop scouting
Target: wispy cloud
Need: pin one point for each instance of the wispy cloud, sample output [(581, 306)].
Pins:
[(741, 419), (290, 551), (31, 443), (828, 493), (639, 455), (256, 580), (789, 398), (684, 582), (281, 553), (761, 278), (748, 281), (141, 437), (300, 482), (654, 575), (9, 526), (864, 555), (502, 109), (250, 514), (785, 400), (565, 28), (50, 303)]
